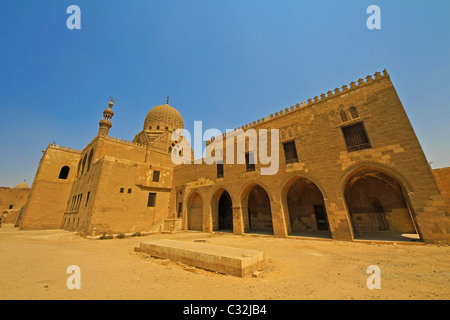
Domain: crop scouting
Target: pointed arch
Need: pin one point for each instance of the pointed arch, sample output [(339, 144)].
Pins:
[(89, 161), (256, 209), (64, 172), (377, 203), (222, 210), (195, 212), (303, 203)]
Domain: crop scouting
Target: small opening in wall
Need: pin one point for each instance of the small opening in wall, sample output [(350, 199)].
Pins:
[(156, 176), (87, 198), (151, 199), (64, 172), (343, 116), (180, 209), (290, 152), (219, 170), (354, 112), (356, 137), (249, 162), (121, 190), (129, 190)]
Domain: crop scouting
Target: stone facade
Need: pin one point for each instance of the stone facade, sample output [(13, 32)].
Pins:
[(11, 202), (443, 180), (350, 165)]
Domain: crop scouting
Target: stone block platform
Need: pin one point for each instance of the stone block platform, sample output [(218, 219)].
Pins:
[(227, 260)]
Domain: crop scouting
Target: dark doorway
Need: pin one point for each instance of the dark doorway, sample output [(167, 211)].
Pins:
[(377, 207), (306, 207), (225, 212), (377, 214), (321, 218), (259, 212)]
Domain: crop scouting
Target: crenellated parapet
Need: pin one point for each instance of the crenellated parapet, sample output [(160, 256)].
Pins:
[(55, 146), (125, 142), (309, 102)]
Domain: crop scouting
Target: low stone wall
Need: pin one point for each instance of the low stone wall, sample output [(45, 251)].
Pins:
[(233, 261)]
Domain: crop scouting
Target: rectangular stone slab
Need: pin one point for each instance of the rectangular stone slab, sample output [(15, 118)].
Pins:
[(227, 260)]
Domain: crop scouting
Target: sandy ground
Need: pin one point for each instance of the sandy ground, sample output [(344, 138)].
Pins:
[(33, 265)]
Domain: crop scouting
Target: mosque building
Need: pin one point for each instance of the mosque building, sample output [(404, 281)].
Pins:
[(350, 167)]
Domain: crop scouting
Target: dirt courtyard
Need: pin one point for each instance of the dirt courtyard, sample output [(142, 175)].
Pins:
[(33, 265)]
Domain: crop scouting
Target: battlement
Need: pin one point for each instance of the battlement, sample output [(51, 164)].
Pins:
[(323, 97), (127, 142), (55, 146)]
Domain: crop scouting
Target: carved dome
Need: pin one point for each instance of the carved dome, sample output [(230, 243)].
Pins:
[(163, 117)]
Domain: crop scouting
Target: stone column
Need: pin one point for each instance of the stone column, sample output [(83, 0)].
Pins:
[(238, 221), (207, 219), (278, 221), (339, 220)]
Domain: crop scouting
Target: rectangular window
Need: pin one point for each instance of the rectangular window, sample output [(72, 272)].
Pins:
[(129, 190), (356, 137), (121, 190), (87, 198), (79, 201), (156, 176), (10, 206), (249, 162), (75, 199), (151, 199), (180, 209), (219, 170), (290, 152)]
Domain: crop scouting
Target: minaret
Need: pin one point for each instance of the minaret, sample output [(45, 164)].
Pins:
[(105, 124)]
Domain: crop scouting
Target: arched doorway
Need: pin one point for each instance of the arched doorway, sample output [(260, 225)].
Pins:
[(306, 208), (195, 212), (225, 212), (259, 214), (377, 206), (222, 211)]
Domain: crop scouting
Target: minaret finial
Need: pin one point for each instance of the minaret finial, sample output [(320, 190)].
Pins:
[(111, 101), (167, 102)]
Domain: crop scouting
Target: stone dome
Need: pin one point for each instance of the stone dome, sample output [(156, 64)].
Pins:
[(163, 117), (22, 185)]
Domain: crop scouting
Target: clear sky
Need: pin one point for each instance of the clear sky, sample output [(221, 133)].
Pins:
[(225, 62)]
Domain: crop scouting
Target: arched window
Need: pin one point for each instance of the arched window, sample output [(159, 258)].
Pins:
[(89, 160), (343, 116), (64, 173), (283, 135), (79, 167), (290, 133), (83, 165), (354, 112)]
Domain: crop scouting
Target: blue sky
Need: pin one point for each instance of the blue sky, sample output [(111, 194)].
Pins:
[(225, 62)]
